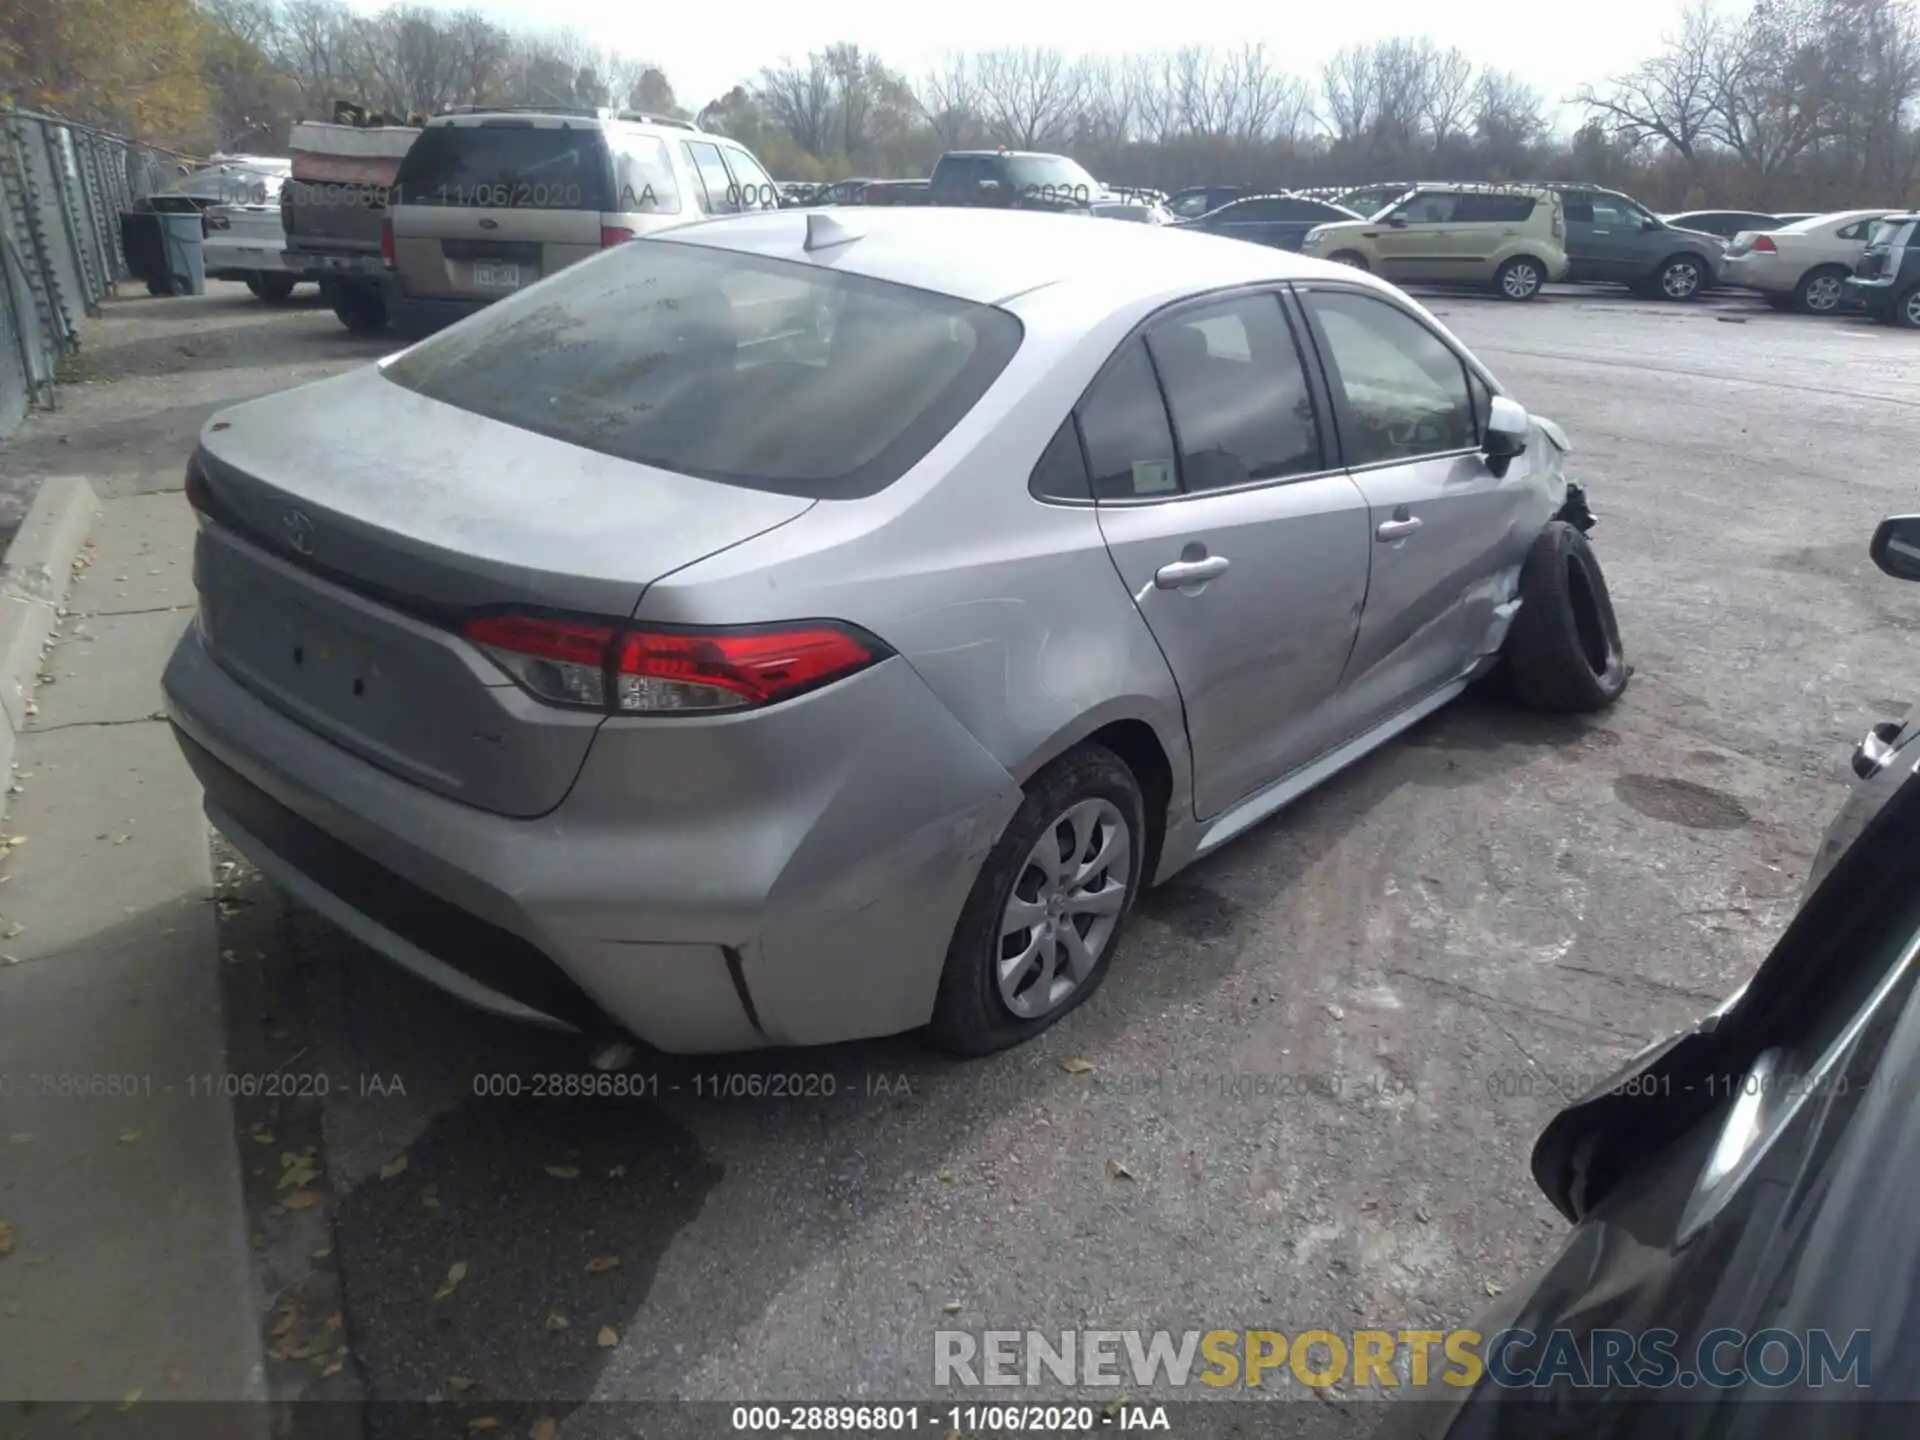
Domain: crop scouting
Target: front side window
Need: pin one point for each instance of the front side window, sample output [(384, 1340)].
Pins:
[(1616, 212), (721, 196), (1188, 207), (1405, 388), (1233, 380), (737, 368), (1428, 209)]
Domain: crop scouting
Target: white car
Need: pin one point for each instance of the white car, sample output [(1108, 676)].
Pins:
[(1803, 266), (244, 237)]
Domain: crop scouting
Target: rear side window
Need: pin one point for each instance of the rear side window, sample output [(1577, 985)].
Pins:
[(1494, 209), (646, 181), (722, 195), (738, 368), (1124, 422), (1241, 409), (508, 165), (1062, 471)]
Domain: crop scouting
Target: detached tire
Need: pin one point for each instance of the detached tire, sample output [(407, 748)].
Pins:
[(1070, 857), (1563, 652)]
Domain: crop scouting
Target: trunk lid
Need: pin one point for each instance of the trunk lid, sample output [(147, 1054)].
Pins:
[(355, 522)]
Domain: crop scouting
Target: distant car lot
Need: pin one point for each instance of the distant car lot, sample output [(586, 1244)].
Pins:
[(1492, 903)]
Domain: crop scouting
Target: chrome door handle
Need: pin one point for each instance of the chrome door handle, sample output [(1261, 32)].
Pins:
[(1181, 573), (1391, 530)]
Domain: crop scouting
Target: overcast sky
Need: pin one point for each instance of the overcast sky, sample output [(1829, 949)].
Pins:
[(706, 49)]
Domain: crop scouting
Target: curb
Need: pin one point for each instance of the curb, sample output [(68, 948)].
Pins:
[(35, 577)]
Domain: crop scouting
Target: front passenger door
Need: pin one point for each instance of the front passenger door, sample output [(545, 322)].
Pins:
[(1421, 246), (1244, 551), (1447, 534)]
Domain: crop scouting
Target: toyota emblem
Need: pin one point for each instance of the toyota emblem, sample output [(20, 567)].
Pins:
[(299, 526)]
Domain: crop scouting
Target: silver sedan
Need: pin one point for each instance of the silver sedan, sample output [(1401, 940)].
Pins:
[(808, 626)]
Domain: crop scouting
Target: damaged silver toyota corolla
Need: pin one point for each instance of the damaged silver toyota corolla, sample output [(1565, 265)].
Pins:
[(794, 628)]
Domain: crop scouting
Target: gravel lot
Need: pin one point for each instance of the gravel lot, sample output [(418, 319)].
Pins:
[(1312, 1080)]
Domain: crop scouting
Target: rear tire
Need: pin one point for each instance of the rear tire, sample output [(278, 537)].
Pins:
[(1521, 278), (1906, 310), (1350, 257), (973, 1014), (274, 289), (252, 283), (1821, 290), (1563, 652), (362, 309)]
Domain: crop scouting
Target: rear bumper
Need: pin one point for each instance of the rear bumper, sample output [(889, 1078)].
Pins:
[(1758, 272), (813, 903), (1875, 296)]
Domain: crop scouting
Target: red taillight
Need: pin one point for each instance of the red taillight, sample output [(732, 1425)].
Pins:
[(642, 672), (614, 235), (1764, 244), (386, 243)]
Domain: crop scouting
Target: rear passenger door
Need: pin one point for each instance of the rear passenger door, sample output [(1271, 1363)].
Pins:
[(1446, 534), (1243, 545), (1484, 225)]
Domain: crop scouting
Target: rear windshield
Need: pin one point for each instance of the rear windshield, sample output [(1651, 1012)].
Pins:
[(508, 164), (737, 368), (1054, 174)]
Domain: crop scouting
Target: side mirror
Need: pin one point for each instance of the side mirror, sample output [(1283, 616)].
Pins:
[(1648, 226), (1896, 546), (1508, 428)]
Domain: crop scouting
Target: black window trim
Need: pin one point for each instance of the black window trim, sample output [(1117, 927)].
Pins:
[(709, 206), (1342, 419), (1310, 368)]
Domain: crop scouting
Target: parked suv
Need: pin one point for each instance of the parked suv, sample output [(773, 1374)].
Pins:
[(1613, 238), (1886, 281), (486, 203), (1506, 236)]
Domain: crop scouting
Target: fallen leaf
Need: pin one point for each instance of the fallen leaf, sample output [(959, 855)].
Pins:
[(1077, 1066), (1118, 1171), (607, 1338), (1492, 1289), (1336, 1012), (545, 1428), (13, 928), (1423, 1215), (282, 1326), (456, 1272), (563, 1172), (430, 1197), (332, 1367), (946, 1175), (336, 1321), (952, 1307), (459, 1382), (303, 1200), (129, 1137), (6, 1238), (14, 842), (297, 1176), (393, 1167), (322, 1253), (617, 1172), (484, 1422), (131, 1398), (261, 1137), (600, 1264)]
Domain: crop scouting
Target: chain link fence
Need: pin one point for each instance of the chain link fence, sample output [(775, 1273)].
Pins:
[(62, 188)]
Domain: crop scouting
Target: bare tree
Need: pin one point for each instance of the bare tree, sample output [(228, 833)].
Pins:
[(1671, 96), (1031, 95), (800, 101), (949, 96), (1449, 94)]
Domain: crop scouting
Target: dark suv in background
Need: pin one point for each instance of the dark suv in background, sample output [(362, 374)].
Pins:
[(1012, 179), (1614, 238), (1886, 279)]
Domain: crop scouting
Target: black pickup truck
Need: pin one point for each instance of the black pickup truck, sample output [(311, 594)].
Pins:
[(1013, 180)]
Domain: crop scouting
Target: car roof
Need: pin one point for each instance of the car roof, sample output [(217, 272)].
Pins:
[(561, 118), (1479, 187), (989, 256)]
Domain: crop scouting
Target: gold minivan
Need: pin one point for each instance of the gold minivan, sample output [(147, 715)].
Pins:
[(488, 202), (1510, 237)]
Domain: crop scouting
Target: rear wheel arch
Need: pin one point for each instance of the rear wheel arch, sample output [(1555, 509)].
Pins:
[(1144, 751)]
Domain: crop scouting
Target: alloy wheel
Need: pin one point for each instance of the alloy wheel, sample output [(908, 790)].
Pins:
[(1520, 281), (1823, 293), (1065, 904), (1910, 309), (1680, 279)]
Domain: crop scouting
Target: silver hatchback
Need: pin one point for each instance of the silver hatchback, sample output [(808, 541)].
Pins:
[(807, 626)]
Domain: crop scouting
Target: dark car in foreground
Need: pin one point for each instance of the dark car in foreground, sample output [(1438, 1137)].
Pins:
[(1743, 1193), (1278, 220)]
